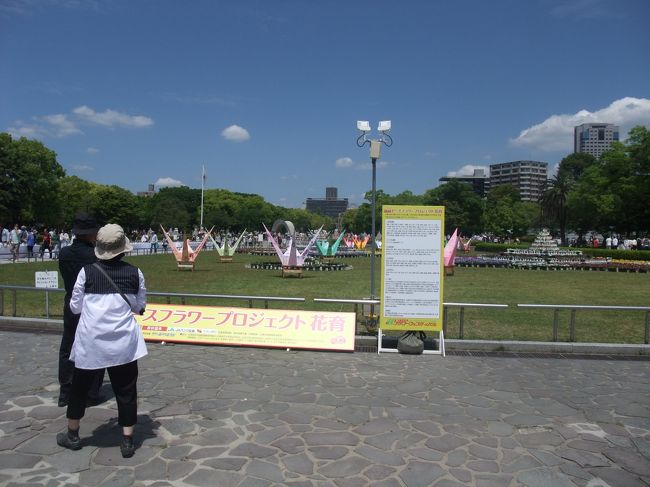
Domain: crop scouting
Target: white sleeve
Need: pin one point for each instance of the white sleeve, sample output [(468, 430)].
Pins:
[(78, 292), (141, 298)]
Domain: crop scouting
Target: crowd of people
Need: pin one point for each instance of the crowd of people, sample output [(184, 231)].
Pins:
[(35, 243)]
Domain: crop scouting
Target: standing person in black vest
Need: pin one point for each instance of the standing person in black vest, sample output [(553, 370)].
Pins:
[(106, 294), (72, 259)]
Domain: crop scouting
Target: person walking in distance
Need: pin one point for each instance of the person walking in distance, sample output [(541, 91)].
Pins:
[(72, 259), (106, 294)]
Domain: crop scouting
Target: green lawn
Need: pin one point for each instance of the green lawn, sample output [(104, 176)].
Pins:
[(468, 285)]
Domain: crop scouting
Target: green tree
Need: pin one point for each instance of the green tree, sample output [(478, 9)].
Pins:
[(463, 207), (29, 176), (554, 201)]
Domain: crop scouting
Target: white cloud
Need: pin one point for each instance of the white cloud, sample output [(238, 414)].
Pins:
[(168, 183), (344, 162), (467, 170), (289, 177), (31, 131), (60, 125), (235, 133), (111, 118), (92, 150), (556, 132), (82, 167)]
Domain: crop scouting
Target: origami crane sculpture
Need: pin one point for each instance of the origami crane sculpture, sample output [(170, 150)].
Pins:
[(185, 257), (450, 253), (359, 243), (349, 243), (292, 260), (226, 251), (327, 250)]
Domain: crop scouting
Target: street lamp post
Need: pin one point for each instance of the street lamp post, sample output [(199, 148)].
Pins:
[(375, 152)]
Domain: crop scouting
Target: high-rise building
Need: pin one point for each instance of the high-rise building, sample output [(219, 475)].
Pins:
[(479, 181), (331, 205), (529, 177), (594, 138)]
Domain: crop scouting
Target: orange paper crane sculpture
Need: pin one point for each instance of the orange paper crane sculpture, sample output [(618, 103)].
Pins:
[(360, 243), (450, 253), (185, 256)]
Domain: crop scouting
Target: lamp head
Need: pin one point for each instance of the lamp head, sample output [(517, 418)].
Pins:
[(384, 126), (363, 125)]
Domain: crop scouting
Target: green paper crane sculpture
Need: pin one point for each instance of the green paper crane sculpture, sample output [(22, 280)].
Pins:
[(226, 251), (326, 250)]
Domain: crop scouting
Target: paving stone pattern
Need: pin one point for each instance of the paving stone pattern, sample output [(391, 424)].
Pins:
[(220, 416)]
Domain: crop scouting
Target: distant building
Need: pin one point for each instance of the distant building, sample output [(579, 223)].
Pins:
[(529, 177), (331, 205), (479, 181), (594, 138), (150, 192)]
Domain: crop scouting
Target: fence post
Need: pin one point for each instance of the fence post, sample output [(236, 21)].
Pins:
[(461, 331), (445, 309), (266, 304), (556, 318), (572, 326), (647, 327), (169, 300), (250, 303), (2, 302), (15, 299)]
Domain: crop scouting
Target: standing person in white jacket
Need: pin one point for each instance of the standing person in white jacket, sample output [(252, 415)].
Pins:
[(106, 294)]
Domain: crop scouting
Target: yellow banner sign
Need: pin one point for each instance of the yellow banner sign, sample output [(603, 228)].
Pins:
[(248, 326)]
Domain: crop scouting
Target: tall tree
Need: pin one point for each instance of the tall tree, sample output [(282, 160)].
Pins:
[(554, 200), (29, 176), (463, 207)]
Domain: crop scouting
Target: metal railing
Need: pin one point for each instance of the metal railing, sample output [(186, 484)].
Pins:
[(461, 314), (250, 299), (368, 305), (462, 306), (13, 291), (575, 307)]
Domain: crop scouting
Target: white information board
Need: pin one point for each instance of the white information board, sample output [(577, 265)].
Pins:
[(47, 279), (412, 270)]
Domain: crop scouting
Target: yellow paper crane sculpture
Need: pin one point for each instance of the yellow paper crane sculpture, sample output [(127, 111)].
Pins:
[(185, 257)]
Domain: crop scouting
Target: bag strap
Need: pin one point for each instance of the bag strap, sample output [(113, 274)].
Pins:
[(98, 267)]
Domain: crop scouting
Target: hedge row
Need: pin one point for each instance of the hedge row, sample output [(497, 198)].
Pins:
[(612, 253)]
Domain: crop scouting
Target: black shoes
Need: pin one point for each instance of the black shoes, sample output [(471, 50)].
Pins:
[(127, 448), (69, 440)]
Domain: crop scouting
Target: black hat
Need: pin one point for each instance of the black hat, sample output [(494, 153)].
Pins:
[(84, 224)]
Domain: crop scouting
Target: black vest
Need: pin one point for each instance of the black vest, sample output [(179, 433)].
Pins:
[(123, 274)]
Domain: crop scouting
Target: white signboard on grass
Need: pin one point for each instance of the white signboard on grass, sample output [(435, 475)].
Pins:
[(48, 279)]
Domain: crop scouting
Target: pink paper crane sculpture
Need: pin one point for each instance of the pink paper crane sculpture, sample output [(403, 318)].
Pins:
[(450, 253), (185, 256), (292, 260)]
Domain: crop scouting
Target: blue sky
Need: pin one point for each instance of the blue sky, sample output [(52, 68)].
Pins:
[(267, 93)]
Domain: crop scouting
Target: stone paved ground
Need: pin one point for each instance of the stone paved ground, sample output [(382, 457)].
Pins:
[(245, 417)]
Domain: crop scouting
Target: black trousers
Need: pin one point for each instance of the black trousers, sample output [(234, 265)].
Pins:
[(124, 380), (66, 367)]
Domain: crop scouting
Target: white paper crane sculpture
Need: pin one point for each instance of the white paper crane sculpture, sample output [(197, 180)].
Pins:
[(292, 260)]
